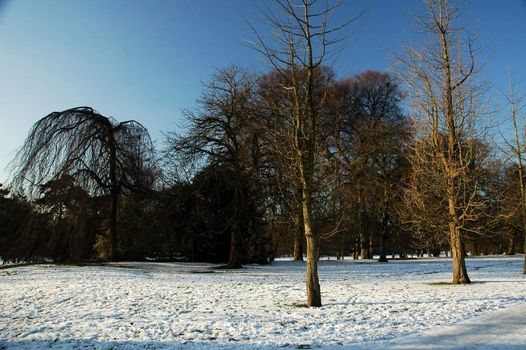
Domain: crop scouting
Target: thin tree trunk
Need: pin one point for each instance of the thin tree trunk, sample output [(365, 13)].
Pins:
[(370, 250), (511, 245), (114, 198), (298, 237), (383, 237), (340, 250), (235, 234), (113, 224), (476, 250), (364, 246), (313, 284), (233, 257), (451, 164), (460, 273)]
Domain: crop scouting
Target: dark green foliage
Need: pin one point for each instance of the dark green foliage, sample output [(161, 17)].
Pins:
[(60, 226), (69, 213), (215, 210), (193, 221), (18, 239)]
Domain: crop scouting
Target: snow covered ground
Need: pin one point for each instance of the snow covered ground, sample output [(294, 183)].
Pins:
[(196, 306)]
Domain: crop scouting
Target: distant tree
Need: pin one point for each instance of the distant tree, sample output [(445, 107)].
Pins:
[(101, 154), (372, 133), (67, 206), (13, 214), (505, 213), (221, 132), (147, 236), (24, 233), (275, 107), (216, 214)]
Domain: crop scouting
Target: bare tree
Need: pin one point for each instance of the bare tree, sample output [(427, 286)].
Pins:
[(220, 132), (517, 147), (303, 37), (279, 170), (276, 109), (371, 133), (96, 151), (446, 104)]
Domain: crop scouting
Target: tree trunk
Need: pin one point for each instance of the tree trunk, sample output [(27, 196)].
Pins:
[(383, 237), (511, 245), (460, 273), (476, 250), (363, 220), (385, 226), (370, 251), (113, 224), (114, 198), (340, 250), (235, 234), (356, 249), (298, 237), (364, 242), (233, 257), (313, 284)]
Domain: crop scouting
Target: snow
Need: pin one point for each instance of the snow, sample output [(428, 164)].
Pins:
[(197, 306), (502, 329)]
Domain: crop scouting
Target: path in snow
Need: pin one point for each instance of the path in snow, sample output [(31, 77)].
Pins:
[(173, 305), (502, 329)]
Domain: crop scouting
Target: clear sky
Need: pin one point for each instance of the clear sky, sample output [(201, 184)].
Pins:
[(146, 60)]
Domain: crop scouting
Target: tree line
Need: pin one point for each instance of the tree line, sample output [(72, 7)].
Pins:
[(290, 161)]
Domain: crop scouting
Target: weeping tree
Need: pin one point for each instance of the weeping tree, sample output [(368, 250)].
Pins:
[(104, 156)]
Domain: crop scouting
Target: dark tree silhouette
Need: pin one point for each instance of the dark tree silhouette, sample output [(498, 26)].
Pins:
[(369, 143), (101, 154), (220, 132)]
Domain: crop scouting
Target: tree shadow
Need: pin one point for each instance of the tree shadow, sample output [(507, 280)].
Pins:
[(132, 345)]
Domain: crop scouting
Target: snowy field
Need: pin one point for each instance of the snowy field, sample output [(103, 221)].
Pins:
[(196, 306)]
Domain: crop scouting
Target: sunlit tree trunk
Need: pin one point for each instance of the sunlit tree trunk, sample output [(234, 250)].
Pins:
[(451, 166), (517, 150), (447, 156), (299, 51), (313, 283)]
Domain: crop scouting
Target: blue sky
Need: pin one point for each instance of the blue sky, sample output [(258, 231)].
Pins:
[(146, 60)]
